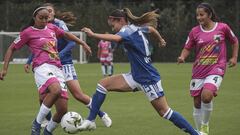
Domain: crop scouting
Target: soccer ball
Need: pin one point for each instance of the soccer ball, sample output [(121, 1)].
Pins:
[(70, 121)]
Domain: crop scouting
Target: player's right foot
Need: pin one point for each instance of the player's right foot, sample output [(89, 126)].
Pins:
[(36, 128), (106, 120), (204, 129), (87, 125)]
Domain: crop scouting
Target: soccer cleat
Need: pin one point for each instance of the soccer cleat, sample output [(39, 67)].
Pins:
[(36, 128), (44, 123), (46, 132), (106, 120), (204, 129), (87, 125)]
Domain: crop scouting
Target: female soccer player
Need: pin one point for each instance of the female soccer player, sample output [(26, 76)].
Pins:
[(208, 41), (143, 75), (40, 36), (64, 48), (105, 56)]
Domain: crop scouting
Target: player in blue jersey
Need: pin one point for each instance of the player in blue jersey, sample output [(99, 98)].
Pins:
[(131, 32), (64, 48)]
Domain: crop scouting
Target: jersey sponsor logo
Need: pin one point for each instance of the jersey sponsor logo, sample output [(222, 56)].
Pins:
[(17, 39), (208, 60)]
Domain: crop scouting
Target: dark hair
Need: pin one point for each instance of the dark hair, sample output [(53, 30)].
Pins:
[(66, 16), (149, 18), (35, 11), (209, 9)]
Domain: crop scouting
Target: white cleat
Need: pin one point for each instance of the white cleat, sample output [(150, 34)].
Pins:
[(44, 123), (87, 125), (106, 120)]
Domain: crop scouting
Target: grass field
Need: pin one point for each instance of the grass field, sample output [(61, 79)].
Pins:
[(131, 112)]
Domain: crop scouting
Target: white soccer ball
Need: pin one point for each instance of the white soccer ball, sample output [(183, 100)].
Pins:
[(70, 121)]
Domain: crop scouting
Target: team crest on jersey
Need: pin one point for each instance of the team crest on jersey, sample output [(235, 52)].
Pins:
[(53, 35), (17, 39), (217, 38)]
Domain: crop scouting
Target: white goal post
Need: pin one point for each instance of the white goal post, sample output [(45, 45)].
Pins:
[(6, 38)]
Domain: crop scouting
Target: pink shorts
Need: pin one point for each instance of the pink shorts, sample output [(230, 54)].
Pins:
[(211, 82)]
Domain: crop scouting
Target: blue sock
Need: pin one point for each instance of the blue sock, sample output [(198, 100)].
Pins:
[(180, 122), (100, 113), (49, 116), (97, 101)]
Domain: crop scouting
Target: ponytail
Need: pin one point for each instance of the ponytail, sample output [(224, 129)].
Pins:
[(67, 17), (149, 18)]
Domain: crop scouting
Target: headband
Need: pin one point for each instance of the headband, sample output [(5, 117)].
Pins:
[(39, 8)]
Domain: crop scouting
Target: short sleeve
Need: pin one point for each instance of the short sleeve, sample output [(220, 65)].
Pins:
[(20, 41), (189, 44), (123, 32), (63, 26), (230, 35), (144, 29)]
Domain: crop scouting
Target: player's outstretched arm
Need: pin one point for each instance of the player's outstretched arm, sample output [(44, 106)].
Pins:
[(156, 34), (107, 37), (7, 58), (70, 36)]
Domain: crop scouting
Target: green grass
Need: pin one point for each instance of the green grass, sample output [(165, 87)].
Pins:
[(131, 113)]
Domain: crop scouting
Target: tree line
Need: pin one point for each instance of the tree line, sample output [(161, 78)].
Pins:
[(177, 17)]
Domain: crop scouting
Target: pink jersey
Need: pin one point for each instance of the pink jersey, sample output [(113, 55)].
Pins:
[(105, 47), (210, 49), (42, 44)]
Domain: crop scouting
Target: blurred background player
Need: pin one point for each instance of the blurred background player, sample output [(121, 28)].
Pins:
[(143, 75), (208, 40), (105, 55), (64, 47), (40, 36)]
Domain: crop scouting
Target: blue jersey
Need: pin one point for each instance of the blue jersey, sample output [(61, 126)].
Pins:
[(64, 46), (136, 46)]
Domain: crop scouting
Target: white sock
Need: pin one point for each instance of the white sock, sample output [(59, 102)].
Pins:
[(44, 110), (206, 112), (51, 125), (197, 116), (109, 69), (103, 70)]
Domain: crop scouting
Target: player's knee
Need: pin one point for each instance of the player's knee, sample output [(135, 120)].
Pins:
[(207, 98), (104, 83)]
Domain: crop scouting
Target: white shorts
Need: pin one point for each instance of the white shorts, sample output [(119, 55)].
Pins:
[(69, 72), (152, 91), (46, 74), (211, 82)]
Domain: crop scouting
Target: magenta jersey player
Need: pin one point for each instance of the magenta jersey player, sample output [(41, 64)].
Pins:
[(210, 49), (208, 41), (42, 43)]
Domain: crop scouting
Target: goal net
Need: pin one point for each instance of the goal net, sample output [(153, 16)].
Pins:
[(6, 38)]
